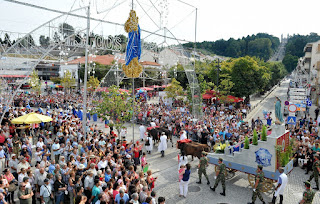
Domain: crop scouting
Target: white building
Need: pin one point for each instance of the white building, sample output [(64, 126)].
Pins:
[(308, 67)]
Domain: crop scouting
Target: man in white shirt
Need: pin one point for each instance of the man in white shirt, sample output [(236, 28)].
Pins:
[(88, 184), (22, 174), (2, 158), (40, 143), (39, 180), (163, 144), (38, 154), (123, 132), (46, 193), (282, 182), (103, 163), (142, 130), (13, 165), (56, 150), (23, 164)]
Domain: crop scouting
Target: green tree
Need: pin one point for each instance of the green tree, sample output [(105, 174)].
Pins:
[(115, 106), (7, 40), (44, 41), (290, 62), (264, 133), (255, 137), (93, 83), (56, 80), (246, 142), (35, 82), (225, 84), (261, 48), (261, 45), (174, 89), (67, 80), (100, 71), (248, 77), (66, 29)]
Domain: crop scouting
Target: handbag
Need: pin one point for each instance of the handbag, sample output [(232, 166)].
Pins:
[(12, 187)]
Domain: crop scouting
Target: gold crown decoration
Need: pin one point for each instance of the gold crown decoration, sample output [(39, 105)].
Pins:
[(133, 70), (132, 22)]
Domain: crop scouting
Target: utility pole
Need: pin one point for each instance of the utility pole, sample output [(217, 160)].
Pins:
[(79, 66), (84, 119), (143, 78)]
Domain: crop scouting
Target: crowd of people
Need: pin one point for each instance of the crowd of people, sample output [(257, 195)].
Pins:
[(56, 161)]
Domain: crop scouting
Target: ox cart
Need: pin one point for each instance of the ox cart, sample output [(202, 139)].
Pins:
[(266, 153)]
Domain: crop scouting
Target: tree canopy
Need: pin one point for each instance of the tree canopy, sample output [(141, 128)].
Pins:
[(115, 106), (174, 89), (35, 82), (67, 80), (261, 45), (93, 83)]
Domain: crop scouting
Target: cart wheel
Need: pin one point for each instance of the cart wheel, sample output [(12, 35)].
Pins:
[(251, 180), (268, 186), (230, 173)]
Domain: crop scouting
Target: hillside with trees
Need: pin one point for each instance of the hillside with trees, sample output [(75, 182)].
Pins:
[(261, 45)]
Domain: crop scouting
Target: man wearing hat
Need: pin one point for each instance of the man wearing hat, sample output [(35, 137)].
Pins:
[(163, 144), (308, 194), (258, 184), (220, 176), (203, 163), (46, 192), (316, 171)]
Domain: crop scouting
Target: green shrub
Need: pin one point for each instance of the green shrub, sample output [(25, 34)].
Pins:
[(264, 133), (255, 137), (284, 158), (246, 143)]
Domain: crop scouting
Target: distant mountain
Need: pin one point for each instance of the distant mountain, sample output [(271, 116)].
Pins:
[(261, 45)]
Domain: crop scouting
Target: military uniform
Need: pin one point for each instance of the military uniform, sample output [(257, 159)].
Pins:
[(315, 173), (260, 177), (202, 168), (221, 178), (308, 196)]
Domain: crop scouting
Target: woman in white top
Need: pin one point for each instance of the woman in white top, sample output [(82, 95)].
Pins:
[(149, 141)]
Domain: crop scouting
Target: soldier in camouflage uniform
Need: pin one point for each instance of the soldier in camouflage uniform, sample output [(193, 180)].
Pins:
[(203, 163), (308, 194), (220, 176), (258, 184), (316, 171)]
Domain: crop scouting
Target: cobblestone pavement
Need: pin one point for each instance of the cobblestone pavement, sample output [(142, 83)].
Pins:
[(238, 189)]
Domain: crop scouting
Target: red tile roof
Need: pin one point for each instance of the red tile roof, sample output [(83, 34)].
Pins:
[(146, 63), (101, 59)]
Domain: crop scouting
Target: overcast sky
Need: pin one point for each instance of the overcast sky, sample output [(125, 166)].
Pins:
[(216, 19)]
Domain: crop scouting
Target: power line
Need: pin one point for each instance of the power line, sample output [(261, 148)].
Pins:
[(85, 17)]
